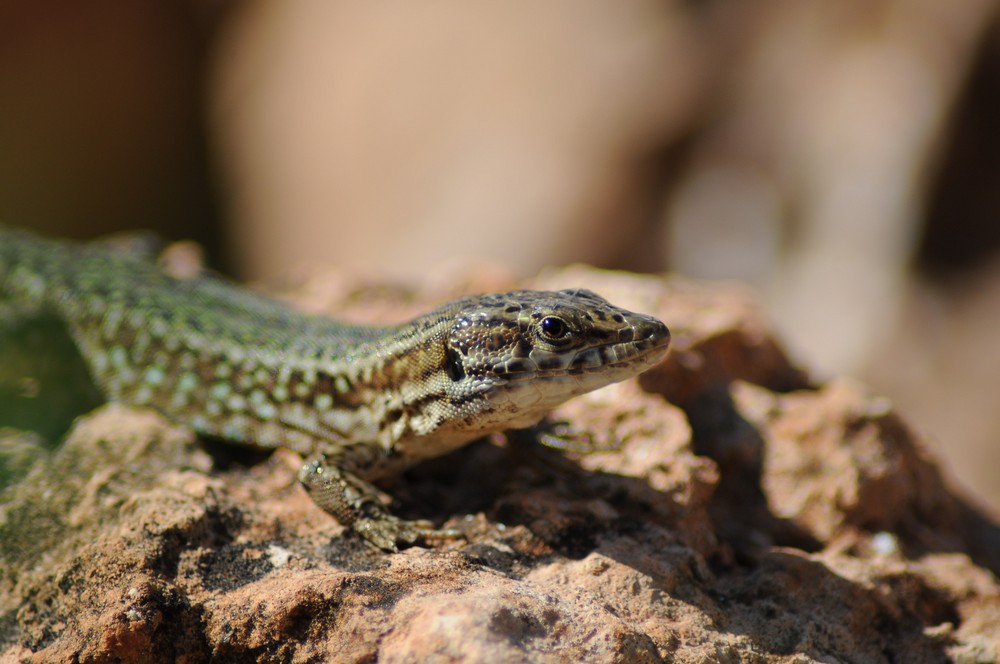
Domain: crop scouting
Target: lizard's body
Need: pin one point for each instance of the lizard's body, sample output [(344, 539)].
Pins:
[(358, 400)]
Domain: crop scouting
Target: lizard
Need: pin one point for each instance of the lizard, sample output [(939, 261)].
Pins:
[(356, 402)]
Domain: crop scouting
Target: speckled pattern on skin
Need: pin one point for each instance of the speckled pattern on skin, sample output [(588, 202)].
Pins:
[(360, 401)]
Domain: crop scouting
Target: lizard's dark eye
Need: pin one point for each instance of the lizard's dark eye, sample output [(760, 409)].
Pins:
[(554, 328)]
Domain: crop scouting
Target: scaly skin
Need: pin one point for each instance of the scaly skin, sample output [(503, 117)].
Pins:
[(359, 401)]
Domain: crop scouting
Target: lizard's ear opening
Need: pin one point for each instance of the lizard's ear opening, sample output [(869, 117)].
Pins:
[(453, 364)]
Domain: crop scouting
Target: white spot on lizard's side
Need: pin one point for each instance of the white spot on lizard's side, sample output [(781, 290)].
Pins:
[(187, 382), (220, 391), (155, 375), (236, 403)]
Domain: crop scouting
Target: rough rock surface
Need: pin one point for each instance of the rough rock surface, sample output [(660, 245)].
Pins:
[(730, 511)]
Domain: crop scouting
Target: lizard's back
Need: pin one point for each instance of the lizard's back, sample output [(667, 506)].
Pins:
[(90, 284), (190, 347)]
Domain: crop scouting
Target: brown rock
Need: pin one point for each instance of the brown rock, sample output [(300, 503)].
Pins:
[(752, 517)]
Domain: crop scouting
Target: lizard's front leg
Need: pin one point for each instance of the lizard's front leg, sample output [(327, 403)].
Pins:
[(355, 503)]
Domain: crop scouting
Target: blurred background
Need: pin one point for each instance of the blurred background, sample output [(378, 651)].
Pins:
[(842, 156)]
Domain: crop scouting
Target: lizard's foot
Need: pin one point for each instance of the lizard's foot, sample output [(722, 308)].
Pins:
[(390, 533), (566, 437), (356, 504)]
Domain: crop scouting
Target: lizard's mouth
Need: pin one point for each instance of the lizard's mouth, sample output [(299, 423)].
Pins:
[(645, 348), (642, 353)]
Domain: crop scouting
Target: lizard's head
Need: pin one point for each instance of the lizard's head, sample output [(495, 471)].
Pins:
[(513, 357)]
